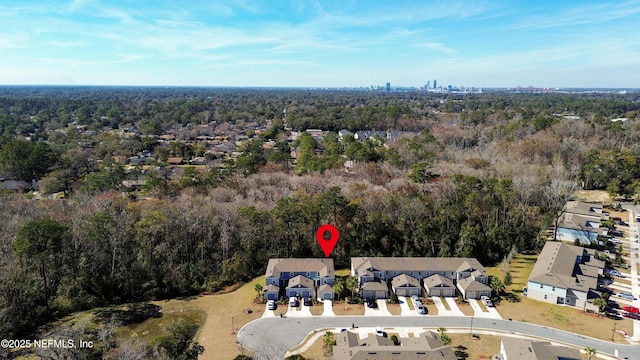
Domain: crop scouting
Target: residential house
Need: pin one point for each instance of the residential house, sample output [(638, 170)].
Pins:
[(438, 285), (512, 348), (581, 221), (385, 269), (297, 276), (300, 286), (374, 290), (405, 285), (565, 274), (342, 133), (363, 135), (428, 346)]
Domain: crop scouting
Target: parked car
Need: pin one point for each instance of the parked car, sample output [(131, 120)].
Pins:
[(271, 305), (307, 302), (415, 297), (293, 302), (421, 310), (372, 304), (613, 272), (486, 301), (626, 295), (615, 241)]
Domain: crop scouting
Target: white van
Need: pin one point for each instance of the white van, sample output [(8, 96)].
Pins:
[(293, 302)]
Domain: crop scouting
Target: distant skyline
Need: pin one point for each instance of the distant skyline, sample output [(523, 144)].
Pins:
[(329, 43)]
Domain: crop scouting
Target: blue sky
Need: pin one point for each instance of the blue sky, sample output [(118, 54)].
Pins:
[(321, 43)]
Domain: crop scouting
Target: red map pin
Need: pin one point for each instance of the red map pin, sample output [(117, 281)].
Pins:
[(327, 245)]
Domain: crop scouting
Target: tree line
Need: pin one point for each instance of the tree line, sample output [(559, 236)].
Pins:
[(480, 176)]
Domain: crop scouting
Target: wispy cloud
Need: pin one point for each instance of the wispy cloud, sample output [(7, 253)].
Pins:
[(76, 4), (578, 16), (436, 46)]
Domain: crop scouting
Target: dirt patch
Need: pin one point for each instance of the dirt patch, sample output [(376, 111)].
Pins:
[(348, 309), (394, 309), (593, 195), (483, 348), (465, 307)]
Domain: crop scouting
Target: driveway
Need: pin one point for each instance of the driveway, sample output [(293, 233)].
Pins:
[(268, 313), (404, 307), (328, 308), (381, 310), (455, 310), (442, 310), (478, 312), (299, 311)]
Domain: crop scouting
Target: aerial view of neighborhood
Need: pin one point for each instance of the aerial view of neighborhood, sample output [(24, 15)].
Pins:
[(319, 180)]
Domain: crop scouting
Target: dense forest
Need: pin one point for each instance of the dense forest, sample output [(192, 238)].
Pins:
[(475, 175)]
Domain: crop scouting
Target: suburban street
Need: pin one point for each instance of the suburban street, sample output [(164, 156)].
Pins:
[(634, 231), (270, 338)]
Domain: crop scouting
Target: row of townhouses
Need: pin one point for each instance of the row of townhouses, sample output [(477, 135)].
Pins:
[(563, 274), (378, 277)]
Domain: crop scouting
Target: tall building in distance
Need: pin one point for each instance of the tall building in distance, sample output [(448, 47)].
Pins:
[(435, 84), (388, 86)]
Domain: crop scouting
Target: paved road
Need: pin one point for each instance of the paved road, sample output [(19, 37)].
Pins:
[(634, 230), (270, 338)]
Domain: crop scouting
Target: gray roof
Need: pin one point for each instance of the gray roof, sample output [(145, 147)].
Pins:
[(374, 286), (437, 280), (272, 288), (557, 265), (405, 281), (300, 282), (579, 207), (324, 267), (362, 264), (427, 346), (527, 349), (325, 288), (579, 222), (470, 284)]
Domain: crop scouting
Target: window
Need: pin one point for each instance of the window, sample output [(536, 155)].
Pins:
[(541, 286), (545, 297), (553, 288)]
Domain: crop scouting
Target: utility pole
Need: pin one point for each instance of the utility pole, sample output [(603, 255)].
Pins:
[(614, 331), (233, 326), (472, 326)]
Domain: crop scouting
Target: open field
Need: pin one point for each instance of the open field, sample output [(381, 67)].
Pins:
[(222, 311)]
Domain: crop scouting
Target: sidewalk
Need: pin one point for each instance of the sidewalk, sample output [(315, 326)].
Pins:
[(478, 312)]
